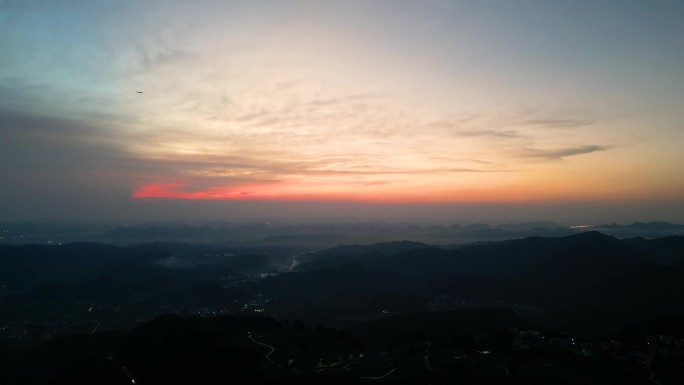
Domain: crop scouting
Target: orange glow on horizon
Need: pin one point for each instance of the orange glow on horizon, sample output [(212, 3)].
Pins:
[(301, 190), (297, 190)]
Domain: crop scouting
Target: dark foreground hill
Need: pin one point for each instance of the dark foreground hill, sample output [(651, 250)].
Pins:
[(465, 347), (447, 324)]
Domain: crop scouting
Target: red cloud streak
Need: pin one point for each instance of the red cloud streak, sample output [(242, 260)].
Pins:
[(175, 191)]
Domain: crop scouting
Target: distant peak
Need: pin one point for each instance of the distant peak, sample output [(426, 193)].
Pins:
[(590, 234)]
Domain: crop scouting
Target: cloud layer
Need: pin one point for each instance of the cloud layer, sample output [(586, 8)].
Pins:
[(340, 101)]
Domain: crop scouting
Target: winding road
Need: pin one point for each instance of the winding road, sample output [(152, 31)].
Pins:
[(122, 367), (652, 376), (268, 355), (380, 377)]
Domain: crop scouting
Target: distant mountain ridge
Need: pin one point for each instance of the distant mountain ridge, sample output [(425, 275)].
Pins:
[(497, 259), (586, 282)]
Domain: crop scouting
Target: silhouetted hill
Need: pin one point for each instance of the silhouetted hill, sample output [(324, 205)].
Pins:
[(584, 283), (69, 262), (666, 250), (386, 248), (470, 347), (177, 350), (349, 253), (305, 240), (58, 357), (469, 322), (77, 285), (635, 296), (587, 283), (656, 225), (670, 325), (585, 253), (591, 255), (324, 282), (641, 229)]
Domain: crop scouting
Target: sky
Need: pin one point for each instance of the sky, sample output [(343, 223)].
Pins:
[(358, 109)]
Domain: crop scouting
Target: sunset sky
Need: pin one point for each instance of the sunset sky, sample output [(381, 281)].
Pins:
[(369, 109)]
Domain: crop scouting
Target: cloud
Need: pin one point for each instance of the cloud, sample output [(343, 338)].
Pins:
[(221, 169), (340, 100), (560, 123), (405, 171), (158, 53), (506, 134), (561, 153)]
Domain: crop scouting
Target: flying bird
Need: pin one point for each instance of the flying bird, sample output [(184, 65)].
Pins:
[(139, 92)]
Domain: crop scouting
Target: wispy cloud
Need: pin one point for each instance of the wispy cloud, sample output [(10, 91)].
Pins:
[(158, 53), (560, 153), (560, 123), (506, 134), (340, 100)]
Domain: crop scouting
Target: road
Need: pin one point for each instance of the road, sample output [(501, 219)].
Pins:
[(652, 376), (268, 355), (380, 377), (123, 368)]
